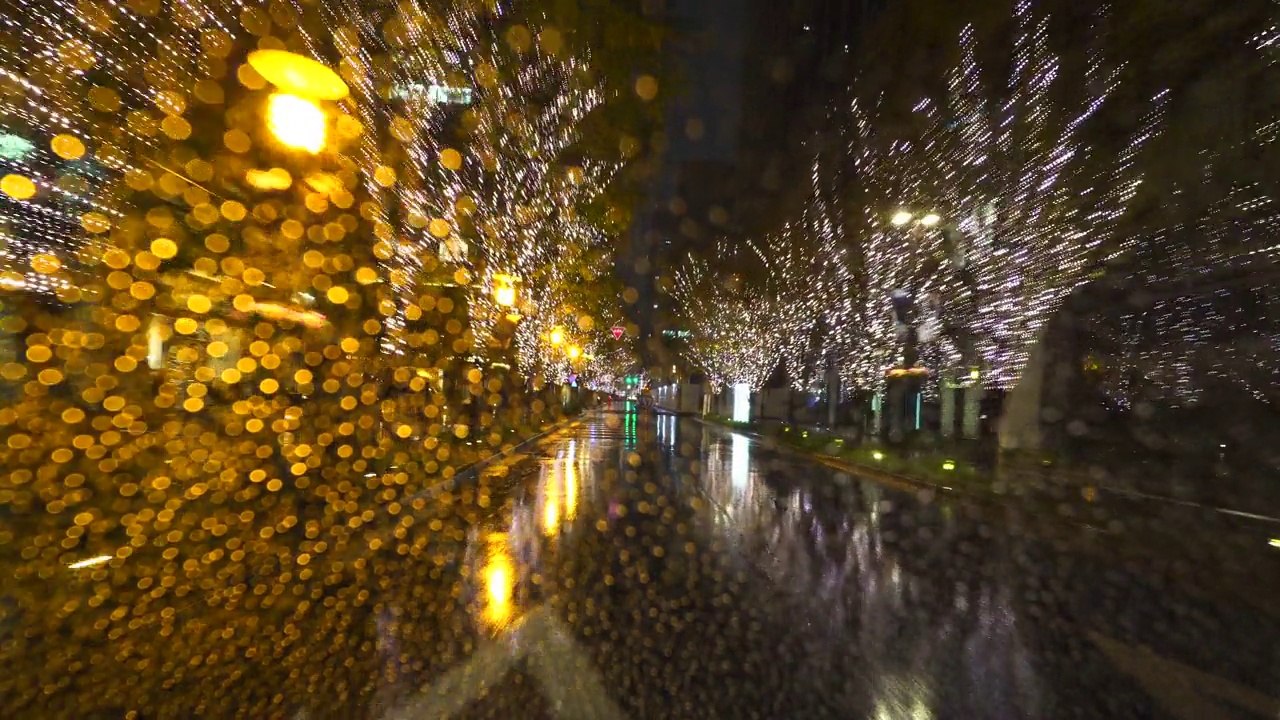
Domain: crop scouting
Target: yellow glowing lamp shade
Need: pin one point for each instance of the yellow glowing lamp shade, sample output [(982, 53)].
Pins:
[(295, 74), (296, 122)]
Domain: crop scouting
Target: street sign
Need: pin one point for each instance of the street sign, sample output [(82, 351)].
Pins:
[(617, 332)]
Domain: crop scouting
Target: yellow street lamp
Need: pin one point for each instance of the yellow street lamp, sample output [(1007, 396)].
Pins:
[(296, 122), (900, 218), (574, 352), (504, 290), (298, 75), (930, 220), (292, 113), (556, 337)]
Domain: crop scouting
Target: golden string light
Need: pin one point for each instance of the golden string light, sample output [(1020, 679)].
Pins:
[(195, 325)]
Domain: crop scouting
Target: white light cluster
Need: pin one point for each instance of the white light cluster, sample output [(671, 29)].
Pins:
[(608, 371), (737, 332), (1026, 206)]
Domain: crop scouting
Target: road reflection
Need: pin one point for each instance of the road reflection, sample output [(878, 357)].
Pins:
[(657, 567), (499, 582)]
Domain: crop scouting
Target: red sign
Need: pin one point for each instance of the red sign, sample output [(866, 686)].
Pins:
[(617, 332)]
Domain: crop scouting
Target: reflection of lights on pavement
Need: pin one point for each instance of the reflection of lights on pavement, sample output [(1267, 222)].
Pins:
[(571, 481), (904, 699), (741, 461), (91, 562), (551, 498), (499, 582), (560, 491)]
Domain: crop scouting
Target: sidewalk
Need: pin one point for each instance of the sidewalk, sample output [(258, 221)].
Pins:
[(968, 470), (1207, 545)]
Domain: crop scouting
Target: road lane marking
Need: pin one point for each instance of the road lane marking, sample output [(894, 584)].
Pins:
[(572, 684), (1184, 691)]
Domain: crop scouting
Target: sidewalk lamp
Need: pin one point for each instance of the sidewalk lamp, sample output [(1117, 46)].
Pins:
[(292, 113), (296, 122), (504, 290)]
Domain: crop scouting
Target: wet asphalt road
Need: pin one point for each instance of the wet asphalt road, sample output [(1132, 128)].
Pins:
[(644, 566), (633, 566)]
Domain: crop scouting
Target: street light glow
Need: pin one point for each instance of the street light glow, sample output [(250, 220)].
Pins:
[(930, 220), (296, 122), (900, 218), (556, 337), (504, 289)]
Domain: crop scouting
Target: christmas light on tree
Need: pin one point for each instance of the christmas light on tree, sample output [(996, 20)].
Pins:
[(981, 222), (737, 337), (231, 354)]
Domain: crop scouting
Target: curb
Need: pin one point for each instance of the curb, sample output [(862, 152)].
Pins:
[(916, 482), (901, 482)]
